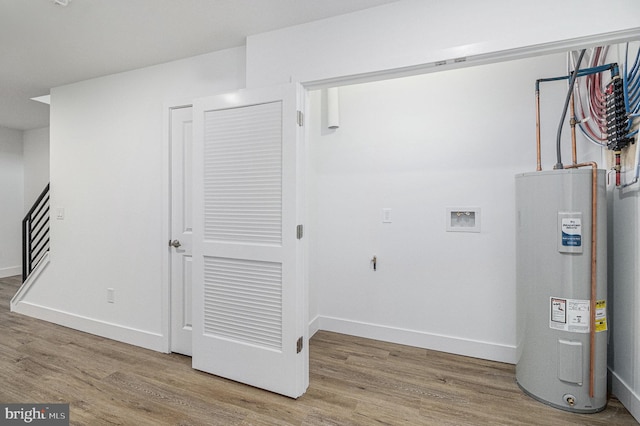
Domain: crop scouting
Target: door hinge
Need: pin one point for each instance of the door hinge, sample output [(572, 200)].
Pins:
[(299, 231), (300, 118), (299, 345)]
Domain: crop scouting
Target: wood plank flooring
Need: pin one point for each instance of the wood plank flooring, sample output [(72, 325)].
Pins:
[(353, 381)]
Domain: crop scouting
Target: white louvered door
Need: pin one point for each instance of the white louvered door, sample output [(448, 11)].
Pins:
[(249, 297)]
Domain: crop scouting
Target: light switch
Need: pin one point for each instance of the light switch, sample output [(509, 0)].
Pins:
[(60, 213), (386, 215)]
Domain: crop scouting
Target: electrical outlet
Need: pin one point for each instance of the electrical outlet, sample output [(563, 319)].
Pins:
[(111, 295)]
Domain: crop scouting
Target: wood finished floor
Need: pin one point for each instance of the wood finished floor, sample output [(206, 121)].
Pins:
[(353, 381)]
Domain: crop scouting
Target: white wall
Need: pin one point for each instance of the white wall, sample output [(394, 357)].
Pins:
[(624, 278), (11, 202), (418, 145), (624, 297), (36, 164), (108, 165), (412, 35)]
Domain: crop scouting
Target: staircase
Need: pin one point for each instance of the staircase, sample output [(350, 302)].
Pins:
[(35, 234)]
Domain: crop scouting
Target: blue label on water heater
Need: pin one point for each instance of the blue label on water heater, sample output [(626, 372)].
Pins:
[(571, 232)]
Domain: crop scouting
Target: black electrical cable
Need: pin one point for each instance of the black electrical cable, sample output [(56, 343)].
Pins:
[(572, 82)]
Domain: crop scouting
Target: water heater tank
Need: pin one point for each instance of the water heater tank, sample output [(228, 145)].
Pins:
[(553, 289)]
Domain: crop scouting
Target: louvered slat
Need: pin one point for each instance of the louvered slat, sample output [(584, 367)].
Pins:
[(243, 175), (243, 301)]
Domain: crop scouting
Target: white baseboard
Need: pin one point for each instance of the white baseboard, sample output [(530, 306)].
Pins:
[(314, 326), (626, 395), (33, 277), (437, 342), (132, 336), (10, 271)]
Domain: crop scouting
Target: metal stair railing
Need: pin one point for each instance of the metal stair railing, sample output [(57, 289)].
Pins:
[(35, 234)]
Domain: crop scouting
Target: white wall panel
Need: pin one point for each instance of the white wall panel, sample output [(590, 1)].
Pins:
[(624, 297), (414, 34), (11, 201), (36, 164)]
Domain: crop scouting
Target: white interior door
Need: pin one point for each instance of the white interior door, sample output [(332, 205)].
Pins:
[(181, 229), (249, 294)]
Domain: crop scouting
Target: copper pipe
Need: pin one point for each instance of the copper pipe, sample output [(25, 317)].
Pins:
[(617, 166), (592, 301), (539, 166), (572, 122)]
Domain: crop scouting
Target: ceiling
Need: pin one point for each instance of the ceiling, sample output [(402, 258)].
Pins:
[(44, 45)]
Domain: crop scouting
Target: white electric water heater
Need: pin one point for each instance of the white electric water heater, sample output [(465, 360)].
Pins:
[(561, 288)]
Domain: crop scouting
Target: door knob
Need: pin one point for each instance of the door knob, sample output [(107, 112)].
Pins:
[(175, 243)]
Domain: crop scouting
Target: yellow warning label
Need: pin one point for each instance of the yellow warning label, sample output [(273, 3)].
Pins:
[(601, 315)]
